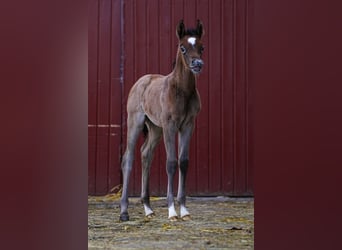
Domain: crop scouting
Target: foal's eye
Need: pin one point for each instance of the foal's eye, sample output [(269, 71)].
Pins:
[(201, 50), (183, 50)]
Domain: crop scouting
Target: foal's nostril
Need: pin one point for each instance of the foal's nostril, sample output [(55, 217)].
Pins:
[(197, 63)]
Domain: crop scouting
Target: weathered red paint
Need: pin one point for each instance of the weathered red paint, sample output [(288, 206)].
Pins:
[(104, 121), (130, 38)]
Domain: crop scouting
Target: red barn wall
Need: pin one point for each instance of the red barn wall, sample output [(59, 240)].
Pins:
[(130, 38)]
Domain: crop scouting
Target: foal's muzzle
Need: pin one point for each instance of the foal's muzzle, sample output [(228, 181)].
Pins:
[(196, 65)]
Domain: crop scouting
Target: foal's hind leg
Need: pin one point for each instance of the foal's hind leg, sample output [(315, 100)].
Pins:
[(135, 124), (183, 154), (147, 152)]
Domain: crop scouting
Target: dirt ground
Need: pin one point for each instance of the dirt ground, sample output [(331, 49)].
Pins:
[(216, 223)]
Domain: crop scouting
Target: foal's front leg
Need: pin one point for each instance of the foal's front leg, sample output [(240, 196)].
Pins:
[(183, 154), (169, 133)]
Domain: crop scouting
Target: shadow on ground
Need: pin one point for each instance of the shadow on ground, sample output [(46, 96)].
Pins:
[(217, 222)]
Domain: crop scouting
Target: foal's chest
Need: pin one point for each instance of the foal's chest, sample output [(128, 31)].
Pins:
[(184, 107)]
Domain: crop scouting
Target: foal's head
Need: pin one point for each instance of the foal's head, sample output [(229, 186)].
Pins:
[(190, 46)]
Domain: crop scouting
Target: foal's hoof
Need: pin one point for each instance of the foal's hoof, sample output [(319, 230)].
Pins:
[(150, 216), (124, 217), (173, 218), (186, 217)]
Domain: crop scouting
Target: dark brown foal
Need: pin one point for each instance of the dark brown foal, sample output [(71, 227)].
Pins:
[(167, 105)]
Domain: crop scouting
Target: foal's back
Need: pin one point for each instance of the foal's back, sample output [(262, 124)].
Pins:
[(145, 97)]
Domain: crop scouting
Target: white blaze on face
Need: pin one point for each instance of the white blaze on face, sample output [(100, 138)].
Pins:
[(192, 40)]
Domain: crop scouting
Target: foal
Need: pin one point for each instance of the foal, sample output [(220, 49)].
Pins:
[(165, 105)]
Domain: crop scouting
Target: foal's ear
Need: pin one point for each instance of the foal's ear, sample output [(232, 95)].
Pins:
[(199, 28), (180, 30)]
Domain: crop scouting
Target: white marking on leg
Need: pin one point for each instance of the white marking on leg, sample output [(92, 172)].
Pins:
[(172, 211), (192, 40), (148, 210), (183, 211)]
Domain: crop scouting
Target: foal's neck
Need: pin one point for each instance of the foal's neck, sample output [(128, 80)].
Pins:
[(182, 76)]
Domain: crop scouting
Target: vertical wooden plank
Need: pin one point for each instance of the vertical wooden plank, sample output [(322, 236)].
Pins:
[(103, 98), (114, 172), (166, 30), (190, 13), (92, 92), (91, 163), (241, 125), (250, 123), (228, 98), (178, 11), (234, 137), (215, 98), (202, 122)]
